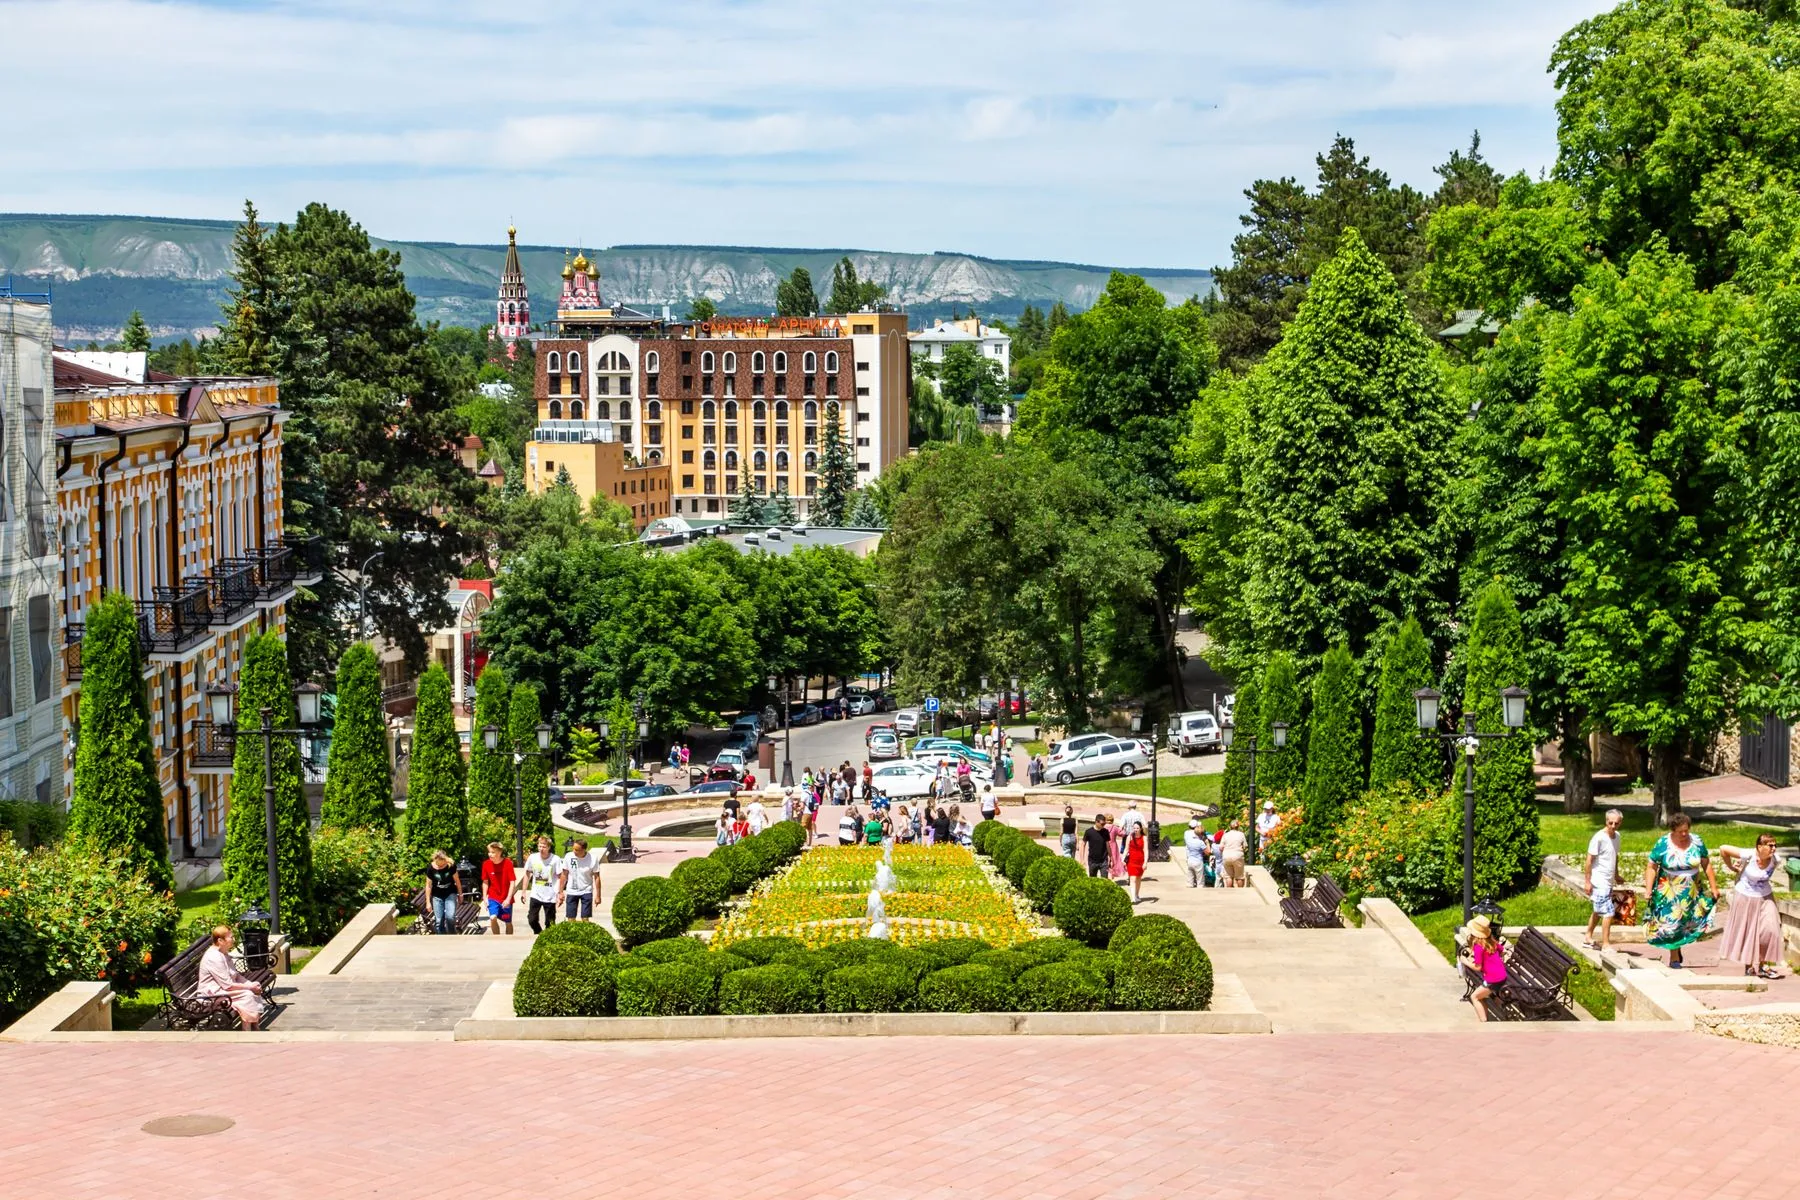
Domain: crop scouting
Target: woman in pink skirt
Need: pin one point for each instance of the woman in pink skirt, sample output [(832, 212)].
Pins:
[(1753, 924)]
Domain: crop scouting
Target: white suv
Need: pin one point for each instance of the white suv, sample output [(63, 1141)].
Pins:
[(1109, 756), (1191, 731), (906, 722), (1069, 747)]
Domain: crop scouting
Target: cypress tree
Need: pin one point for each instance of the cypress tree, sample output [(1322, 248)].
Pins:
[(1507, 853), (534, 773), (490, 772), (1333, 745), (118, 804), (437, 811), (1246, 717), (1280, 702), (1400, 753), (265, 682), (359, 782)]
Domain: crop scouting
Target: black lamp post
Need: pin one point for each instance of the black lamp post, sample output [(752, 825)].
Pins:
[(1512, 716), (787, 731), (1278, 734), (1159, 851), (490, 737), (641, 727), (222, 698)]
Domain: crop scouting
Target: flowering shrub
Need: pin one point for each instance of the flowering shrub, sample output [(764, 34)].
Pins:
[(353, 868), (1398, 842)]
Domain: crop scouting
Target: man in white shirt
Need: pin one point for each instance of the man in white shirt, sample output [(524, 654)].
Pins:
[(578, 886), (1601, 869), (542, 869), (1130, 817), (1267, 821), (1199, 847), (758, 817)]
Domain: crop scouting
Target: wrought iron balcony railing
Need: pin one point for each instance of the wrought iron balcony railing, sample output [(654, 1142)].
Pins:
[(72, 635), (176, 621), (214, 745), (310, 557)]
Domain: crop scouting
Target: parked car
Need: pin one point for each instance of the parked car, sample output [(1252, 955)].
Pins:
[(749, 721), (741, 740), (625, 784), (861, 703), (904, 780), (728, 764), (952, 753), (1011, 705), (880, 727), (715, 787), (906, 722), (929, 742), (831, 710), (1193, 731), (1111, 756), (650, 791), (884, 745), (800, 712), (1070, 747), (1227, 705)]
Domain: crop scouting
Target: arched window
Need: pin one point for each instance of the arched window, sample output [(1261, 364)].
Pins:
[(781, 460), (554, 363), (731, 460), (653, 411), (831, 362), (624, 410), (653, 362), (556, 410), (730, 363), (575, 409), (780, 362), (756, 362), (656, 456), (706, 361), (574, 362), (812, 410), (812, 461), (761, 461), (759, 411), (708, 411), (709, 460), (731, 410), (810, 362), (781, 410)]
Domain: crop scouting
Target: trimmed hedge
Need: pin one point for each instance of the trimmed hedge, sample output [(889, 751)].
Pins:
[(1147, 925), (1061, 987), (765, 852), (761, 951), (1162, 971), (1001, 842), (1103, 963), (952, 952), (971, 987), (1009, 963), (720, 963), (706, 881), (1019, 860), (1049, 949), (651, 908), (775, 988), (739, 862), (577, 933), (673, 989), (875, 986), (1090, 909), (669, 949), (978, 836), (563, 981), (1046, 876)]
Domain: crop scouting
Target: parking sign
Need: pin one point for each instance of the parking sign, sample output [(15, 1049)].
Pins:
[(931, 704)]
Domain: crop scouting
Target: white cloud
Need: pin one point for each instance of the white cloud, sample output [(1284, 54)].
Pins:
[(1112, 133)]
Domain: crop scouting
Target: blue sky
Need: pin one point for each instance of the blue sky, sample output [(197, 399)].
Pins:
[(1119, 133)]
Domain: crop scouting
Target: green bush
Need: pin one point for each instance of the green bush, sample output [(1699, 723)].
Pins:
[(1009, 963), (1019, 860), (775, 988), (876, 986), (357, 867), (669, 949), (978, 836), (719, 962), (706, 881), (31, 824), (563, 981), (1090, 909), (790, 836), (1400, 843), (1061, 987), (1049, 949), (651, 908), (914, 962), (682, 988), (968, 988), (850, 954), (952, 952), (1163, 971), (1145, 925), (1046, 876), (1000, 842), (577, 933), (765, 852), (761, 951), (1103, 963), (739, 862)]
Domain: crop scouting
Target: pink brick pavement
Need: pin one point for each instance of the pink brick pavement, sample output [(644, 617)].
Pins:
[(1593, 1114)]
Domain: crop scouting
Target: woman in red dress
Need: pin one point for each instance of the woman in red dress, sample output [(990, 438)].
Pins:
[(1137, 849)]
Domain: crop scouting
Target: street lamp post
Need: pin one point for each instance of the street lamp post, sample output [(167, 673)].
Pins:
[(362, 595), (490, 737), (1158, 851), (1278, 734), (787, 730), (1512, 716), (223, 700), (626, 852)]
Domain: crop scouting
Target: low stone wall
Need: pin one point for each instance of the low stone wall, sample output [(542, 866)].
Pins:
[(1770, 1024), (374, 919), (81, 1007)]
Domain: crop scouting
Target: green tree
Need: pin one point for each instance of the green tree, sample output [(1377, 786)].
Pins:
[(1334, 740), (794, 296), (564, 482), (359, 781), (523, 718), (781, 508), (1399, 753), (1507, 853), (265, 682), (837, 472), (1246, 719), (1534, 245), (117, 808), (1281, 701), (850, 294), (751, 508), (255, 306), (1032, 333), (865, 513), (136, 334), (490, 771), (437, 810), (701, 309), (967, 380)]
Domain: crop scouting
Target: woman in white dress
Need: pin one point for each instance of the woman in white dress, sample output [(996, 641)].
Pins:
[(219, 976), (1753, 923)]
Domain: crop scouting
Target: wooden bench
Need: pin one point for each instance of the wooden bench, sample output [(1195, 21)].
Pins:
[(586, 814), (183, 1009), (471, 913), (1537, 981), (1318, 910)]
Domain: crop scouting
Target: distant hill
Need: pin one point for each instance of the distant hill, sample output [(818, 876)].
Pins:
[(175, 272)]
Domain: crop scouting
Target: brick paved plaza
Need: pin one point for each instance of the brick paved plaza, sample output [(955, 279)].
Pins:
[(1530, 1112)]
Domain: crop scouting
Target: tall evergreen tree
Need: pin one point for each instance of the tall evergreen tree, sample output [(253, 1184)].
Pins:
[(523, 716), (359, 781), (118, 804), (1334, 739), (136, 335), (265, 681), (1246, 719), (750, 508), (837, 472), (1507, 851), (794, 296), (848, 293), (437, 810), (1399, 752), (865, 514), (254, 308), (1281, 701), (490, 771), (781, 510)]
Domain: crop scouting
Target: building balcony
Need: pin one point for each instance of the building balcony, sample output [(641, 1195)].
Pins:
[(311, 556), (271, 570), (175, 622), (398, 697), (230, 591), (575, 431), (72, 635), (214, 746)]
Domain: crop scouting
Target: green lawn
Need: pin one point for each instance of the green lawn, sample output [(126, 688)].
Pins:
[(1196, 789), (1543, 905), (1563, 833)]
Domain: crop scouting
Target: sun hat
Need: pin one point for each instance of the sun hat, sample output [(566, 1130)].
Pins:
[(1479, 926), (1268, 806)]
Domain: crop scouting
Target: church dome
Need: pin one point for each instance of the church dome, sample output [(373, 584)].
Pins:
[(582, 264)]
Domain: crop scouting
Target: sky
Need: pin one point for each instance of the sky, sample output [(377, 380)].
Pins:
[(1119, 133)]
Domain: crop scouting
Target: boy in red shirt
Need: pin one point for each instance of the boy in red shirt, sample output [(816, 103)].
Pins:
[(497, 881)]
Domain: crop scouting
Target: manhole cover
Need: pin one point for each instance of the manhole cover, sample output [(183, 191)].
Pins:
[(187, 1125)]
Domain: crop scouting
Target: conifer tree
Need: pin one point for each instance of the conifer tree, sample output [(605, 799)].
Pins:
[(1507, 850), (437, 811), (490, 771), (523, 717), (781, 511), (564, 481), (264, 681), (359, 782), (1280, 702), (865, 513), (837, 472), (136, 335), (1333, 745), (117, 808), (1399, 752), (750, 509), (245, 345)]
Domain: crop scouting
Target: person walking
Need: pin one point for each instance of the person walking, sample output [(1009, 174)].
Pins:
[(990, 805), (1598, 875), (541, 872), (1137, 852), (1069, 825), (1682, 889), (1487, 958), (498, 883), (757, 816), (942, 826), (1098, 843), (1231, 856), (1199, 849), (219, 976), (1753, 922), (440, 877), (578, 885)]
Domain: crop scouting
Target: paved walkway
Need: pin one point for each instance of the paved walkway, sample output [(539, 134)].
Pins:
[(339, 1003), (1534, 1113)]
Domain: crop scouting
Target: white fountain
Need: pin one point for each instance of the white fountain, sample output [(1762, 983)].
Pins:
[(878, 927)]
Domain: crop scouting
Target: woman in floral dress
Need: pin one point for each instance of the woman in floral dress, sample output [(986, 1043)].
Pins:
[(1681, 887)]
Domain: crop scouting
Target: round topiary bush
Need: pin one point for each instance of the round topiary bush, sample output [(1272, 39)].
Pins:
[(1163, 971), (669, 949), (1146, 925), (915, 962), (766, 852), (739, 863), (672, 989), (651, 908), (978, 836), (790, 836), (776, 988), (720, 962), (1090, 909), (1103, 963), (761, 951), (952, 952), (968, 988), (577, 933), (1000, 843), (707, 882), (1009, 963), (1046, 876), (1061, 987), (1048, 949), (562, 981), (875, 986), (852, 954), (1019, 860)]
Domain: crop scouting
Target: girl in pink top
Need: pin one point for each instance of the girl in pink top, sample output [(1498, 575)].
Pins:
[(1486, 957)]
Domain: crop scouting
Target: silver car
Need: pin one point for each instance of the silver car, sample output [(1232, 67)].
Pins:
[(1114, 756)]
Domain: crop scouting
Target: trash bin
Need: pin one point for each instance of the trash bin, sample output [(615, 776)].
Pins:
[(765, 756), (1793, 869)]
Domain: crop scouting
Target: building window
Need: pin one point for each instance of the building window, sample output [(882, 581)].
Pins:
[(809, 386), (760, 435), (712, 506), (709, 461), (861, 391), (707, 411), (780, 362), (781, 410), (862, 366), (760, 462), (687, 358), (654, 434), (862, 441), (781, 438), (731, 483), (862, 466), (812, 435), (687, 483), (781, 460), (730, 363), (687, 457), (687, 433), (687, 383), (625, 432), (831, 363), (862, 416), (731, 435), (653, 382), (652, 363), (809, 362), (555, 415), (602, 386), (812, 485), (731, 410), (709, 483), (759, 411), (553, 364), (731, 385), (706, 362), (812, 461), (756, 363), (781, 385), (574, 364), (575, 410), (868, 328), (709, 434), (810, 410), (706, 385), (831, 387), (687, 408), (624, 385), (756, 385), (731, 460), (762, 483)]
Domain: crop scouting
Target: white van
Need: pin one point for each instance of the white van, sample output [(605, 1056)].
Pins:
[(1191, 731)]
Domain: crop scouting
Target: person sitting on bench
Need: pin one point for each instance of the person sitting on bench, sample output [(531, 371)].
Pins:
[(1485, 956), (219, 976)]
